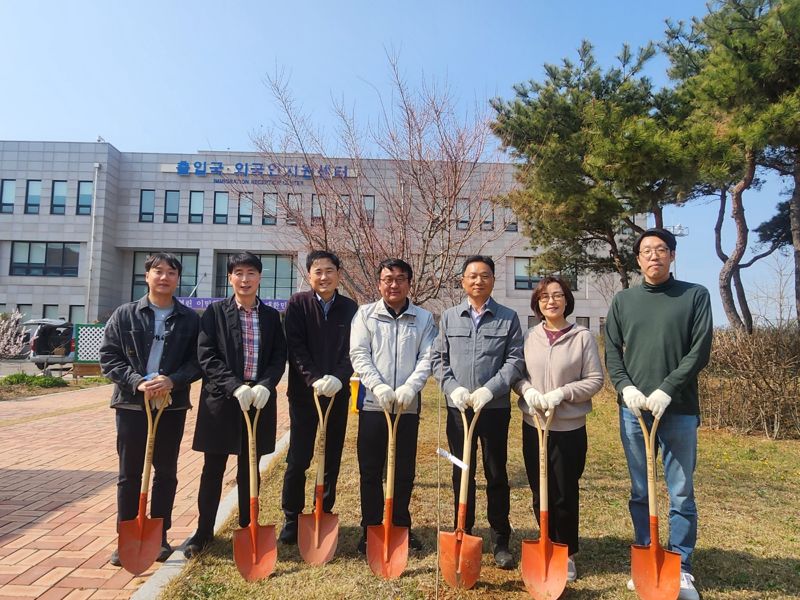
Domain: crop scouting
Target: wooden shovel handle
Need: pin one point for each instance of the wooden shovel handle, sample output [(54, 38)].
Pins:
[(469, 430), (542, 431), (391, 426), (649, 445), (251, 449), (152, 427), (321, 437)]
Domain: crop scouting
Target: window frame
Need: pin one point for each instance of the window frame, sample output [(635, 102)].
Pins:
[(221, 218), (147, 216), (245, 218), (7, 207), (53, 205), (270, 218), (172, 217), (195, 218), (43, 268), (82, 208), (369, 213), (32, 208)]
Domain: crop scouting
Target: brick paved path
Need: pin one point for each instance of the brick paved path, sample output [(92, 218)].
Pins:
[(58, 468)]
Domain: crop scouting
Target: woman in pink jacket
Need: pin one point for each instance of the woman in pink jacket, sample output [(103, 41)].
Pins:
[(563, 373)]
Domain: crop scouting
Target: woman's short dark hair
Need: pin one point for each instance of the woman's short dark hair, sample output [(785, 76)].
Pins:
[(244, 259), (487, 260), (156, 258), (540, 289), (395, 263), (321, 255)]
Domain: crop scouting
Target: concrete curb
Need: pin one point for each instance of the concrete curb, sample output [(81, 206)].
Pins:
[(174, 565)]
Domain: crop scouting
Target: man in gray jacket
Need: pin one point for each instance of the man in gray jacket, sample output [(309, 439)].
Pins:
[(477, 358), (390, 348)]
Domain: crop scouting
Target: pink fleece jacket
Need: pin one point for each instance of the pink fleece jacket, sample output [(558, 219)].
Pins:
[(572, 363)]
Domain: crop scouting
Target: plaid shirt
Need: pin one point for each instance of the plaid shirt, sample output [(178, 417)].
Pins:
[(248, 317)]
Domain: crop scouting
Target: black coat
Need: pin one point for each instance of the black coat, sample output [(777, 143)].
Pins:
[(318, 346), (221, 354), (127, 339)]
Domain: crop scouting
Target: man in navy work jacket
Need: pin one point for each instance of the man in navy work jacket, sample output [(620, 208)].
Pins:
[(317, 326), (478, 357), (242, 351), (149, 351)]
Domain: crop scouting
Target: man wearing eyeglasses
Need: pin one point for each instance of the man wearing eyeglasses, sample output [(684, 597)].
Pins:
[(658, 338), (478, 357), (390, 349)]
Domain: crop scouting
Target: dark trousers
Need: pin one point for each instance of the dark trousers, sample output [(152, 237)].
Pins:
[(131, 447), (492, 431), (372, 449), (566, 459), (303, 430), (210, 492)]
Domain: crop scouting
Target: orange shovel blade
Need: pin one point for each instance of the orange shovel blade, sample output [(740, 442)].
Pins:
[(460, 558), (139, 543), (544, 568), (656, 572), (255, 551), (317, 543), (387, 560)]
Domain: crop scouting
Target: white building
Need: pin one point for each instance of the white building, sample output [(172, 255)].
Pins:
[(78, 219)]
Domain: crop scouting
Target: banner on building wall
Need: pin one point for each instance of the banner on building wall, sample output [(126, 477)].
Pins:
[(203, 303)]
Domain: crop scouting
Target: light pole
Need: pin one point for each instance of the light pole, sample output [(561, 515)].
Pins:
[(678, 231)]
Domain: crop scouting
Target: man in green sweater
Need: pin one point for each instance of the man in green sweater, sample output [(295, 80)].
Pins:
[(658, 338)]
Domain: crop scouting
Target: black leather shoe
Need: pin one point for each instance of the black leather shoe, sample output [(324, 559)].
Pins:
[(503, 557), (114, 560), (414, 543), (166, 552), (362, 545), (288, 533), (196, 545)]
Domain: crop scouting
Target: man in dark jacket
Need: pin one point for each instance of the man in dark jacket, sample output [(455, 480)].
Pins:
[(242, 352), (318, 336), (149, 351)]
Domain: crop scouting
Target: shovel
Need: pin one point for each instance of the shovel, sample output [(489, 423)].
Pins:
[(387, 544), (318, 533), (544, 563), (655, 572), (459, 553), (139, 541), (254, 547)]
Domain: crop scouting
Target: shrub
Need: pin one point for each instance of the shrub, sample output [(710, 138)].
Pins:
[(12, 335), (43, 381), (752, 383)]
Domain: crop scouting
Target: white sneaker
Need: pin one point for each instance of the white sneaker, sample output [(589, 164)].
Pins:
[(630, 585), (688, 591), (572, 572)]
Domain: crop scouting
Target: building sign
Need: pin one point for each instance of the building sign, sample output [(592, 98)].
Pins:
[(203, 303), (257, 172)]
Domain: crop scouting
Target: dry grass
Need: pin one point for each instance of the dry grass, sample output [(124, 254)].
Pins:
[(749, 540)]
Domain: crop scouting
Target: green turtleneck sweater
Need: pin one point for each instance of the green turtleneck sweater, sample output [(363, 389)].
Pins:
[(659, 336)]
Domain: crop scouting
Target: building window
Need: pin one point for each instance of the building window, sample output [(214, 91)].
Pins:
[(56, 259), (33, 197), (462, 213), (26, 310), (270, 216), (317, 215), (147, 206), (85, 191), (487, 215), (196, 201), (582, 321), (524, 279), (50, 311), (77, 313), (220, 208), (294, 208), (277, 277), (58, 198), (343, 210), (172, 204), (7, 192), (511, 220), (245, 209), (186, 285), (369, 209)]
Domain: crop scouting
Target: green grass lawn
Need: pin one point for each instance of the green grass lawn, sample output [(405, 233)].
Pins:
[(748, 494)]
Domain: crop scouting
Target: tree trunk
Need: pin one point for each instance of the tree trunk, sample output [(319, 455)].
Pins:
[(622, 270), (744, 307), (794, 219), (725, 293)]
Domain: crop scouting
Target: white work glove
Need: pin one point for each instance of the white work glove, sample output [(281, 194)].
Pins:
[(244, 394), (332, 386), (261, 396), (480, 398), (534, 399), (320, 386), (405, 395), (460, 398), (157, 400), (657, 402), (385, 397), (553, 398), (633, 399)]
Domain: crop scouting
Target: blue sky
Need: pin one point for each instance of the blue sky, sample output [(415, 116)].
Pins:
[(180, 77)]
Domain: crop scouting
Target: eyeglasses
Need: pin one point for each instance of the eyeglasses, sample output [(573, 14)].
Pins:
[(389, 281), (660, 251), (545, 298), (481, 276)]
